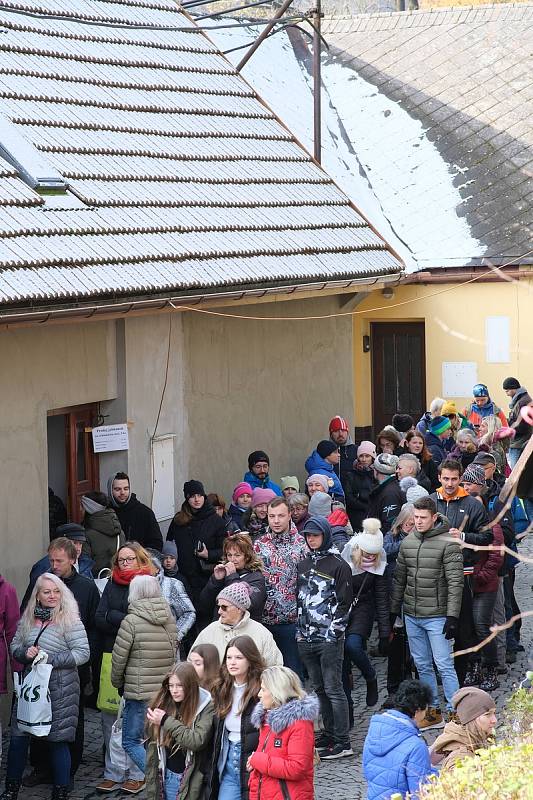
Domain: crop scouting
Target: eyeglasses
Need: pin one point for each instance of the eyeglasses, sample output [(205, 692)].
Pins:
[(223, 607), (123, 562)]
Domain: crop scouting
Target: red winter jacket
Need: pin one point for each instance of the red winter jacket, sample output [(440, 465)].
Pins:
[(285, 750), (489, 563)]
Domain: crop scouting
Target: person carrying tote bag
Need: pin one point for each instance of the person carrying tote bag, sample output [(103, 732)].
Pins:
[(50, 624), (130, 560)]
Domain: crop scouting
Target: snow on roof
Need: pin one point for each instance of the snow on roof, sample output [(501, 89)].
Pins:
[(438, 106), (186, 179)]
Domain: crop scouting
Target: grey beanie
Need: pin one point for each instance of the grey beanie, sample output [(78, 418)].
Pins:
[(320, 505), (386, 464), (170, 549)]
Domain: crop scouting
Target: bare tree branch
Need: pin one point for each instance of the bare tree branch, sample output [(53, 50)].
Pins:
[(496, 629)]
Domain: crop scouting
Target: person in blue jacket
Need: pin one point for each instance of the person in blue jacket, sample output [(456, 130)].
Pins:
[(323, 461), (258, 469), (395, 756)]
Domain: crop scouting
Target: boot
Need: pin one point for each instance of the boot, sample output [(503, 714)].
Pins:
[(473, 674), (12, 790), (490, 680), (60, 792), (371, 692)]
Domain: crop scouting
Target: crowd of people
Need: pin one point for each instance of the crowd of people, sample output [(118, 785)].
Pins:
[(196, 649)]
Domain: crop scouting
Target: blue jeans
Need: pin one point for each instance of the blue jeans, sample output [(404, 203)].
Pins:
[(513, 455), (172, 784), (133, 719), (323, 661), (58, 753), (427, 644), (355, 646), (230, 781), (285, 638)]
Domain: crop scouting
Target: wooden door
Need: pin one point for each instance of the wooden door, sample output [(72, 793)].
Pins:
[(82, 462), (398, 371)]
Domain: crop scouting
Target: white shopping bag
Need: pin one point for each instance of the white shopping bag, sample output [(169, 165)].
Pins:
[(34, 708), (118, 756), (100, 581)]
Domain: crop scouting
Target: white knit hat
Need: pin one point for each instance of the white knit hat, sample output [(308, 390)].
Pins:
[(371, 538), (413, 490)]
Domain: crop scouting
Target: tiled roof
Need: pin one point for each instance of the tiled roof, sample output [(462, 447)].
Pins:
[(465, 77), (186, 178)]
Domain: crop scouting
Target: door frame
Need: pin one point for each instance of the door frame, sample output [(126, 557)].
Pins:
[(85, 415), (417, 325)]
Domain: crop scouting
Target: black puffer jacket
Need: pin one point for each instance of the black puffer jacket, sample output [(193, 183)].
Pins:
[(373, 603), (139, 523), (431, 471), (249, 742), (385, 502), (112, 609), (358, 483), (204, 526)]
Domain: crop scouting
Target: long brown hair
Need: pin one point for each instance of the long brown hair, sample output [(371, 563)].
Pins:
[(211, 659), (184, 711), (424, 454), (223, 688), (143, 558), (243, 543)]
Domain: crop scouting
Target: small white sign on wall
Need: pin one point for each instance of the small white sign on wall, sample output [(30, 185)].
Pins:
[(108, 438), (497, 340), (458, 378)]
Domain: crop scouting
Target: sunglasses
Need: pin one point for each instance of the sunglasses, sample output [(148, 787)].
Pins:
[(223, 607)]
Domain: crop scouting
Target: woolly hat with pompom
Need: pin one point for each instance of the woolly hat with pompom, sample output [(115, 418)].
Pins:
[(412, 489), (371, 538)]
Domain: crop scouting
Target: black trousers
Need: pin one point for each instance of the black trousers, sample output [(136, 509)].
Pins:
[(399, 664)]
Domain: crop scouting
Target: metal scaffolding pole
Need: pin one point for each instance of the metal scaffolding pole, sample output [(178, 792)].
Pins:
[(317, 82), (263, 35)]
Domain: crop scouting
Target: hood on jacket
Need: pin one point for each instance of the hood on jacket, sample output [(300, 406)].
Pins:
[(278, 719), (155, 610), (114, 502), (386, 731), (105, 522), (455, 737), (441, 526), (319, 524), (521, 392), (314, 463)]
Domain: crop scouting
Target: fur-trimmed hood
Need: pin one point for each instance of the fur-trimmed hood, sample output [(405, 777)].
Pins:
[(278, 719)]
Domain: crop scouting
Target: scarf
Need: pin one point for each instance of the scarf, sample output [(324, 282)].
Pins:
[(91, 506), (43, 614), (125, 576)]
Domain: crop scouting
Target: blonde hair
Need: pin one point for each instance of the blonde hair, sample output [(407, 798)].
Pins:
[(283, 684), (357, 556), (64, 617), (494, 424)]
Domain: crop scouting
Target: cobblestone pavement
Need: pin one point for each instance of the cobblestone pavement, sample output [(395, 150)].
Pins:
[(341, 780)]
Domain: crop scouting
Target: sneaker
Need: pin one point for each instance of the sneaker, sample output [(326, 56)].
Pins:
[(451, 716), (322, 740), (337, 751), (108, 786), (325, 748), (133, 787), (433, 719)]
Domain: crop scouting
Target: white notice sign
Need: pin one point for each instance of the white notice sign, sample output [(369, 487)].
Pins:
[(458, 378), (107, 438)]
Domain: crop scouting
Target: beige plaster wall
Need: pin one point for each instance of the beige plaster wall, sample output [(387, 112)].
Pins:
[(270, 385), (41, 369), (454, 318)]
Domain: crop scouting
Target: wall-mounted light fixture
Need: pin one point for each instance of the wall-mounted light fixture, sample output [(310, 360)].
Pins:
[(366, 344), (388, 292)]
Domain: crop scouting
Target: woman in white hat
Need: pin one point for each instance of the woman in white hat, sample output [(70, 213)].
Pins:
[(366, 556)]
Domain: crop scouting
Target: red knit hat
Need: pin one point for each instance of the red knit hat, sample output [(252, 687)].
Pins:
[(338, 424)]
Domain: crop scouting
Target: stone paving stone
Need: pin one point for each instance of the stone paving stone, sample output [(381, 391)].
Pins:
[(337, 780)]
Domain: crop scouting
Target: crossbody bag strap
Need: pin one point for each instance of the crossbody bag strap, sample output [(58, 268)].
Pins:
[(356, 599), (44, 627)]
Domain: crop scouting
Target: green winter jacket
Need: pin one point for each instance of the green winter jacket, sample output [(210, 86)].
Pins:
[(196, 740), (429, 574), (145, 648)]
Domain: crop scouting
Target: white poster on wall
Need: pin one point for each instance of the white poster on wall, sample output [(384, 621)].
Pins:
[(108, 438), (497, 340), (458, 378)]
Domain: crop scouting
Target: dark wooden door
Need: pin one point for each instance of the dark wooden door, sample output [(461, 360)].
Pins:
[(398, 371), (82, 461)]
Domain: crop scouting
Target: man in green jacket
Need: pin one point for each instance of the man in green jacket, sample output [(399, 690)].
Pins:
[(429, 582)]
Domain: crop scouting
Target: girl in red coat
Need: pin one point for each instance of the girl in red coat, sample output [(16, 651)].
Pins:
[(282, 766)]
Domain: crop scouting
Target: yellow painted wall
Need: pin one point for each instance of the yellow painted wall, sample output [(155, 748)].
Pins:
[(454, 318)]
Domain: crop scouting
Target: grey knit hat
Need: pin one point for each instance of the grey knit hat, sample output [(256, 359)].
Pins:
[(386, 464), (320, 505), (238, 594)]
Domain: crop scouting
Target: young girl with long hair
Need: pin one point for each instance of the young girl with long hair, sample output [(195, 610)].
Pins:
[(180, 729), (475, 713), (283, 763), (50, 623), (235, 696), (416, 445), (206, 662)]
